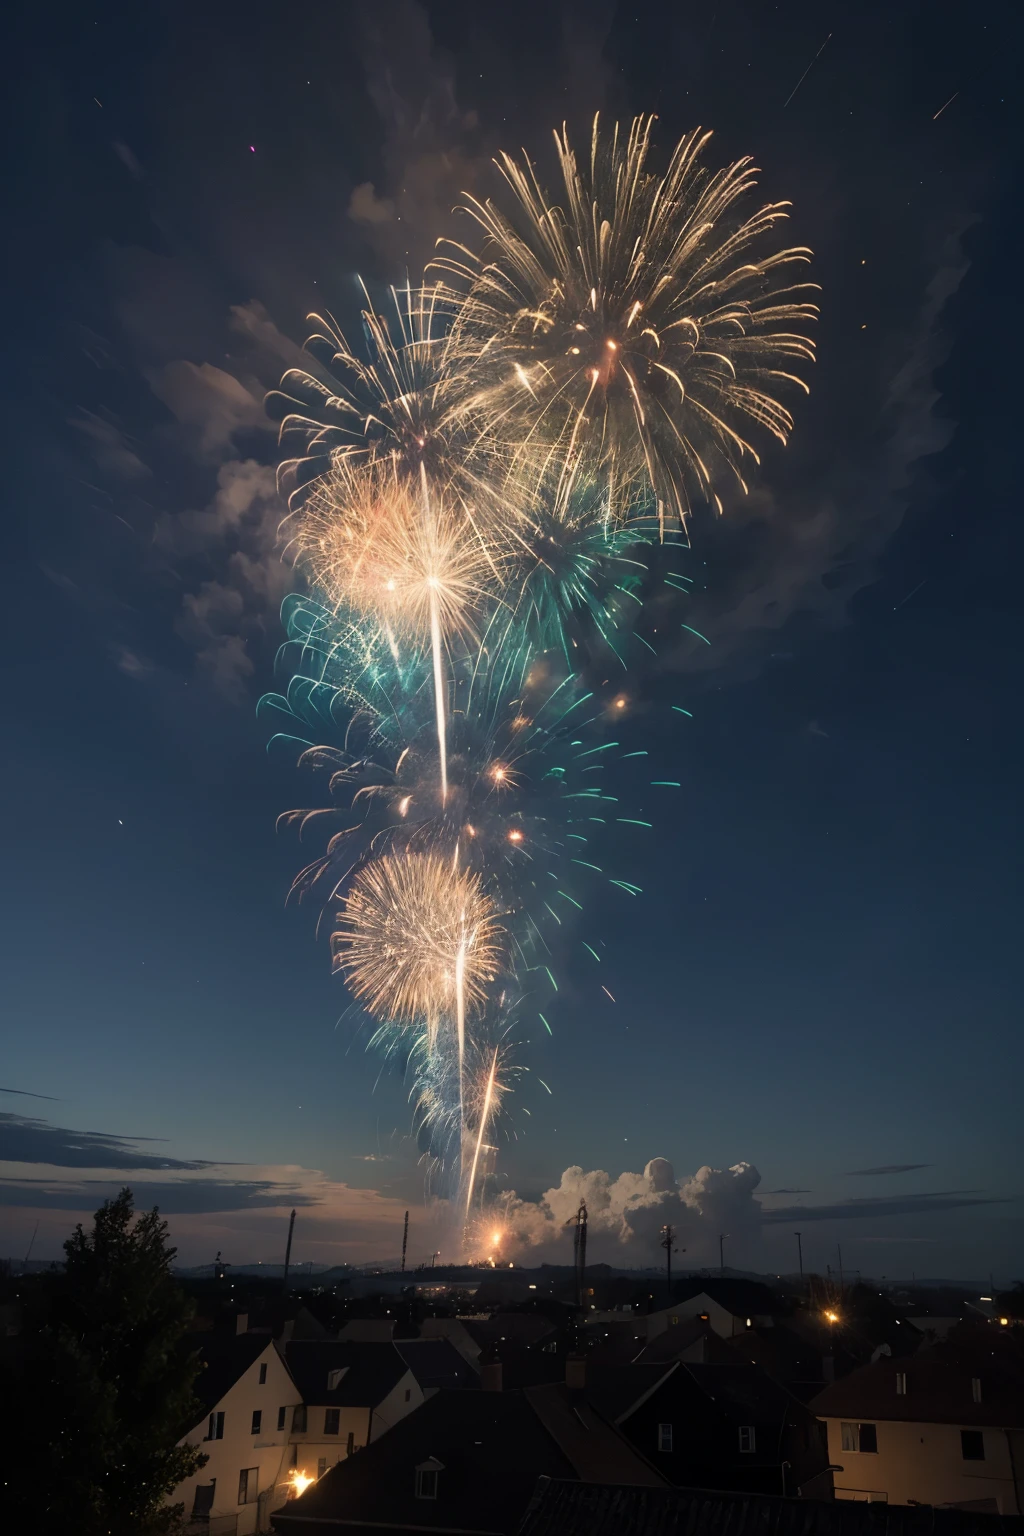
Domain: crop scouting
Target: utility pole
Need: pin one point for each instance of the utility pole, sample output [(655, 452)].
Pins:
[(405, 1240), (288, 1253), (579, 1249), (721, 1251), (669, 1246), (840, 1253), (800, 1252)]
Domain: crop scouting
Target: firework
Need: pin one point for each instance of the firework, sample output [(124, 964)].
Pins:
[(636, 317), (417, 938), (473, 508)]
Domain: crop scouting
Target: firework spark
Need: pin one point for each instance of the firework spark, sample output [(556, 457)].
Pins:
[(636, 318)]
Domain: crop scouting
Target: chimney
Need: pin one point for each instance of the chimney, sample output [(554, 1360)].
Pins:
[(242, 1323), (576, 1372), (490, 1374)]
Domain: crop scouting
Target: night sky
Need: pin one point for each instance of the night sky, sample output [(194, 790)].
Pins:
[(822, 977)]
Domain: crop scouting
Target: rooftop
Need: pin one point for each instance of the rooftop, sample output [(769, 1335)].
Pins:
[(939, 1386), (369, 1372)]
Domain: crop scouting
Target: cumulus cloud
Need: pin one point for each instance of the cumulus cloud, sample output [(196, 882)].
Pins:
[(631, 1210)]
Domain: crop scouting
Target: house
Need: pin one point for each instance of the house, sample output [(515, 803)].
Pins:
[(351, 1394), (566, 1508), (436, 1363), (722, 1424), (466, 1462), (730, 1306), (943, 1427), (247, 1399)]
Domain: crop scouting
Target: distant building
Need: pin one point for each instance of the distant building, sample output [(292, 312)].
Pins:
[(247, 1400), (943, 1427), (351, 1394)]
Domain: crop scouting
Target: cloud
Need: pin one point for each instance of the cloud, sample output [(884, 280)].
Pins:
[(23, 1093), (210, 403), (787, 1191), (632, 1209), (882, 1205), (365, 207), (24, 1140), (888, 1168)]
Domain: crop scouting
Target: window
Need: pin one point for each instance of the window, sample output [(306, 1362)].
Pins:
[(664, 1437), (408, 1393), (426, 1482), (263, 1375), (215, 1430), (748, 1439), (972, 1445), (282, 1414), (202, 1501), (351, 1444), (299, 1419), (859, 1437), (321, 1466), (248, 1485), (976, 1388), (675, 1320), (332, 1421), (257, 1421), (901, 1383)]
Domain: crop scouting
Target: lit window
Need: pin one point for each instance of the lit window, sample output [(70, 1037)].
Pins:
[(901, 1383), (748, 1439), (248, 1485), (976, 1388), (263, 1375), (972, 1445), (257, 1422), (664, 1437), (860, 1437), (332, 1421)]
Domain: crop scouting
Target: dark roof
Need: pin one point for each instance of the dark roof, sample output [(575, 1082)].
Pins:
[(743, 1298), (596, 1449), (492, 1446), (510, 1327), (670, 1343), (225, 1357), (581, 1509), (437, 1363), (371, 1372), (939, 1386), (616, 1390), (745, 1394)]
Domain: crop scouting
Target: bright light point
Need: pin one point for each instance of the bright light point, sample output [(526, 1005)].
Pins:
[(389, 586), (620, 702), (612, 346), (832, 1317), (403, 804), (515, 836), (575, 351), (470, 830), (495, 1238), (498, 774), (432, 581), (300, 1482)]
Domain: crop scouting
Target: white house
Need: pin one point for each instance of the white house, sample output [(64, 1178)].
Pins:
[(248, 1399), (943, 1427), (352, 1393)]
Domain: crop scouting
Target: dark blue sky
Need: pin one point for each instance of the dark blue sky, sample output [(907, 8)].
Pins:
[(823, 973)]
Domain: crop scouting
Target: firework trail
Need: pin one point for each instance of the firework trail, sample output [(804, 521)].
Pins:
[(473, 508)]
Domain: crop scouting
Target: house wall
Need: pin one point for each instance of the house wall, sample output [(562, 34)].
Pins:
[(363, 1424), (314, 1445), (240, 1448), (924, 1463)]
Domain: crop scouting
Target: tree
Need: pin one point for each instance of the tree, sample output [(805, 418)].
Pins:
[(105, 1388)]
